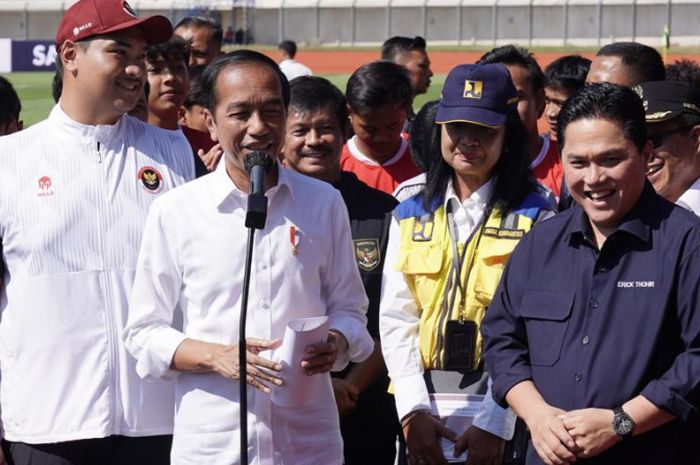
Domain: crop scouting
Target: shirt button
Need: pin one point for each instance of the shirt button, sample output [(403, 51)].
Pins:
[(593, 303), (585, 340), (578, 376), (265, 305), (263, 266)]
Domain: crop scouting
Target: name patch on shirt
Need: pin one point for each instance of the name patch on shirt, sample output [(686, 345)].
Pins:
[(635, 284), (503, 233)]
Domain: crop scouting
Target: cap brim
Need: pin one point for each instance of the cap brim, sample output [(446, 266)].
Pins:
[(473, 115), (660, 116), (157, 29)]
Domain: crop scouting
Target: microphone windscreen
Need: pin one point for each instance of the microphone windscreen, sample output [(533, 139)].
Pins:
[(258, 158)]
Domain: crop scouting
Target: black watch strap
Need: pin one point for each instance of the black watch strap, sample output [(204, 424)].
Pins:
[(623, 425)]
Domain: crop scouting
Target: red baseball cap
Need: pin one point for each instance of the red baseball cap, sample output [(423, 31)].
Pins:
[(87, 18)]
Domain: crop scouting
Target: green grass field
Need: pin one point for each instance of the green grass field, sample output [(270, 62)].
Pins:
[(34, 91)]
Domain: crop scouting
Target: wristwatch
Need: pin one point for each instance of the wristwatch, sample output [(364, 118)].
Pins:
[(622, 424)]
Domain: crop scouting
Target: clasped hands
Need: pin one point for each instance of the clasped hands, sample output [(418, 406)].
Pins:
[(562, 437), (262, 373)]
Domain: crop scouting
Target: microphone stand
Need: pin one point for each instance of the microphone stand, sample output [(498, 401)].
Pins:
[(257, 163)]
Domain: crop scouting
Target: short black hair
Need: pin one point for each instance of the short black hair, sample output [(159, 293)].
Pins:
[(310, 94), (10, 106), (422, 134), (175, 48), (644, 62), (609, 102), (396, 46), (194, 87), (567, 73), (57, 85), (204, 21), (289, 47), (378, 83), (517, 56), (686, 71), (238, 57)]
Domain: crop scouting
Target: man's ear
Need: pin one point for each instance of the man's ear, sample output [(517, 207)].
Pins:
[(68, 56), (695, 135), (182, 116), (211, 125)]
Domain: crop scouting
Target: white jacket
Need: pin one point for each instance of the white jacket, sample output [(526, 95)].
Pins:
[(73, 202)]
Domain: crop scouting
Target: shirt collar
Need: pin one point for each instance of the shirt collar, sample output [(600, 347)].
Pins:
[(636, 222), (85, 132), (222, 187), (690, 199), (479, 198)]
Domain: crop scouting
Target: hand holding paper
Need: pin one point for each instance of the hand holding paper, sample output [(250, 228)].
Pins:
[(307, 349), (322, 356)]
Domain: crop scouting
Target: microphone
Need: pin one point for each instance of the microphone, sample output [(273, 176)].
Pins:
[(257, 164)]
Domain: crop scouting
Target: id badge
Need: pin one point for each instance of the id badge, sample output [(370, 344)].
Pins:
[(460, 345)]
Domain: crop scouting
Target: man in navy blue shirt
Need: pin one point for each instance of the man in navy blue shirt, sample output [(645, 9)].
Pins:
[(593, 337)]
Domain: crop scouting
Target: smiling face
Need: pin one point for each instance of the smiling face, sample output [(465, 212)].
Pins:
[(604, 172), (675, 164), (472, 151), (249, 115), (103, 78), (314, 143), (168, 86)]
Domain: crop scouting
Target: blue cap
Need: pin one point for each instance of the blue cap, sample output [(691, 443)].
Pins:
[(481, 94)]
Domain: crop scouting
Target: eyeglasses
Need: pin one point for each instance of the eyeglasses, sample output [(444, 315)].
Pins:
[(658, 139)]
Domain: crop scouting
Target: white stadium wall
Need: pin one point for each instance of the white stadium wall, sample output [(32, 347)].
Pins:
[(348, 22)]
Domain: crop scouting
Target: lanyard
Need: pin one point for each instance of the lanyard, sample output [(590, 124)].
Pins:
[(458, 259)]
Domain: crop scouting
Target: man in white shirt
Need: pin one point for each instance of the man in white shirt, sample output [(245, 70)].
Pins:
[(673, 121), (289, 66), (192, 259), (74, 193)]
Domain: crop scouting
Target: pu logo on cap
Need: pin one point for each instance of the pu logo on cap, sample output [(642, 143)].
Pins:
[(473, 89), (128, 10)]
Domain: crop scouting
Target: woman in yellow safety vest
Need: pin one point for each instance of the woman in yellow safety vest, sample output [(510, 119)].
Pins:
[(447, 249)]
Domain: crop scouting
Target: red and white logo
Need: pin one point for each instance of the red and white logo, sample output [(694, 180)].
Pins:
[(45, 186)]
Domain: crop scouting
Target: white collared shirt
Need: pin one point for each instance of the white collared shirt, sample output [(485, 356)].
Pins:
[(469, 213), (690, 200), (73, 202), (293, 69), (192, 257), (398, 330)]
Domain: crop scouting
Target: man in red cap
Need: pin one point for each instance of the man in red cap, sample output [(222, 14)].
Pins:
[(72, 209)]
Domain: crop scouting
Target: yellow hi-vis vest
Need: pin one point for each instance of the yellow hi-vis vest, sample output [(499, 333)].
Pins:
[(426, 259)]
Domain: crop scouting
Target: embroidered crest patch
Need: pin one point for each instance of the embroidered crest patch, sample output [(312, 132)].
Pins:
[(367, 253)]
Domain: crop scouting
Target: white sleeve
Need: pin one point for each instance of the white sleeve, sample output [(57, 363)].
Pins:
[(398, 327), (148, 335), (494, 418), (346, 300)]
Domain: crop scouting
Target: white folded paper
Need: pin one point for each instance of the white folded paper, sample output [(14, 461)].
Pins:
[(457, 412), (299, 388)]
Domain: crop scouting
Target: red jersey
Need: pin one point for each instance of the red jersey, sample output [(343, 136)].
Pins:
[(385, 177), (547, 168)]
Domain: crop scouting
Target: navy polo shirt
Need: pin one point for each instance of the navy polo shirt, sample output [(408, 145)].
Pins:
[(596, 328)]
